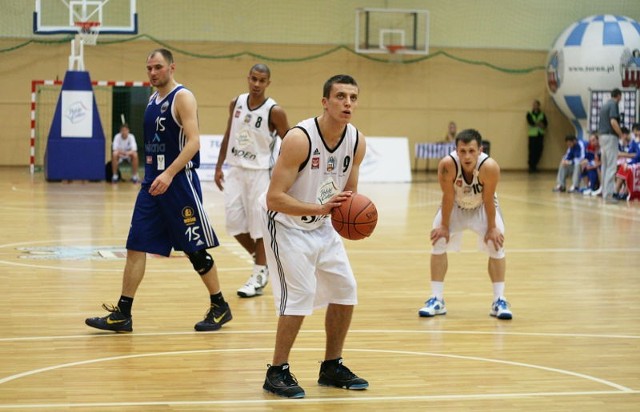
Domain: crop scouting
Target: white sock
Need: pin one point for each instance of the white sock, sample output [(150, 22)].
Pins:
[(260, 268), (437, 289), (498, 290)]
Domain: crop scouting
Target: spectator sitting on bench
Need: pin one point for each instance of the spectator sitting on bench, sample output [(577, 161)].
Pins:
[(124, 149), (570, 165)]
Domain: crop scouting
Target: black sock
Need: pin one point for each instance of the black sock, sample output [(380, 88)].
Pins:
[(217, 299), (125, 304), (332, 362)]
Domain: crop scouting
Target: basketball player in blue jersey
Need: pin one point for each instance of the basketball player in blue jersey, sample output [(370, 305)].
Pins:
[(468, 179), (168, 212), (249, 147), (317, 170)]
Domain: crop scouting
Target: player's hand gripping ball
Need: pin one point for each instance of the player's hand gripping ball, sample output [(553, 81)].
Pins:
[(356, 218)]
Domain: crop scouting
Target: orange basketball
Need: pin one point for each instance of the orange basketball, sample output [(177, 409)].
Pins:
[(356, 217)]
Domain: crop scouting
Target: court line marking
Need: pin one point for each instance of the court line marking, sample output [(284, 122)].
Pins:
[(236, 251), (351, 331), (620, 389), (427, 398)]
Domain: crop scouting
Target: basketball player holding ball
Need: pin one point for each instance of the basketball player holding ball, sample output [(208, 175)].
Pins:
[(316, 171)]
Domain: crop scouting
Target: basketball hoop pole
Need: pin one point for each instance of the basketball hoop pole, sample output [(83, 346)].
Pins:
[(76, 58), (88, 32)]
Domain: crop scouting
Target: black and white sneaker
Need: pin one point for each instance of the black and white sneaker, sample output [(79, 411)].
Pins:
[(281, 382), (334, 373)]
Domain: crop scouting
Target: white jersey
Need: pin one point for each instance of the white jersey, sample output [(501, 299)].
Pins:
[(468, 195), (125, 145), (323, 174), (251, 143)]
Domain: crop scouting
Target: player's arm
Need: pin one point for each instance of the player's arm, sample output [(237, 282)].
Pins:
[(489, 177), (218, 175), (293, 152), (187, 114), (361, 150), (278, 120), (446, 178), (615, 125)]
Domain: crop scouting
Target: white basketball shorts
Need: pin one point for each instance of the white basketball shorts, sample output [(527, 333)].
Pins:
[(242, 187), (308, 269), (474, 220)]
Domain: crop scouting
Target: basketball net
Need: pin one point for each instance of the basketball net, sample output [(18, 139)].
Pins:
[(88, 32), (395, 51)]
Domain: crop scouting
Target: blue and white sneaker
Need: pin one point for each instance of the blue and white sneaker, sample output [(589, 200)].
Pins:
[(500, 309), (432, 307)]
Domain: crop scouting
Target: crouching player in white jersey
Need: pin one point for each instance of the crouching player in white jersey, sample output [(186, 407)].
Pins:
[(468, 179), (317, 170)]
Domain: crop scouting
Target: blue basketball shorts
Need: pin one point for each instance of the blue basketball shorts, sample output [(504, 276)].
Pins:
[(175, 219)]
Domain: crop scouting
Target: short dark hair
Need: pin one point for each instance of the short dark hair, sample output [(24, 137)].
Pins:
[(261, 68), (338, 78), (636, 126), (166, 54), (467, 135), (616, 92), (570, 137), (624, 130)]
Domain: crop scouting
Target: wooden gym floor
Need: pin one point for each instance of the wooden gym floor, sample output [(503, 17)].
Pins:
[(572, 280)]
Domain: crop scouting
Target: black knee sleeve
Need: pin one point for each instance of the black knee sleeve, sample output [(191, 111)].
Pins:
[(202, 261)]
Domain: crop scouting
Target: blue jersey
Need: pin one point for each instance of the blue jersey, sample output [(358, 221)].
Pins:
[(164, 136), (175, 219), (575, 153)]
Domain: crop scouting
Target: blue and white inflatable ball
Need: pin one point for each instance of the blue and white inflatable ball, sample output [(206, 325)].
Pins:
[(595, 53)]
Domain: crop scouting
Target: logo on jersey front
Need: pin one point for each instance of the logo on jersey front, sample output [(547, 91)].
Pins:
[(326, 191), (188, 216), (237, 113), (459, 182), (155, 146), (247, 118), (244, 147), (164, 107), (331, 163)]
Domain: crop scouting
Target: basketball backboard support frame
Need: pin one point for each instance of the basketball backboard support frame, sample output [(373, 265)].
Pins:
[(376, 29), (60, 16)]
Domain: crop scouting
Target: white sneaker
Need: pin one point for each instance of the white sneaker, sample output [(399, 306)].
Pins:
[(597, 192), (432, 307), (500, 309), (586, 192), (255, 284), (572, 189)]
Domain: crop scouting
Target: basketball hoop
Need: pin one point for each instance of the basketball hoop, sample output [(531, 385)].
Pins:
[(88, 31), (394, 48)]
